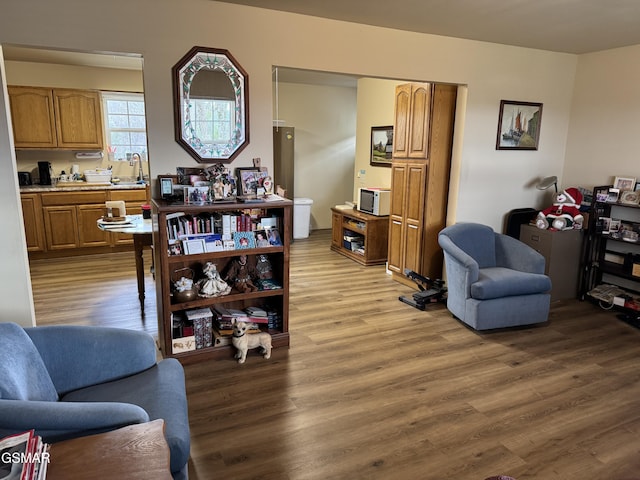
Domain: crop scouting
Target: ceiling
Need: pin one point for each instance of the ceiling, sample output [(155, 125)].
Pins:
[(570, 26)]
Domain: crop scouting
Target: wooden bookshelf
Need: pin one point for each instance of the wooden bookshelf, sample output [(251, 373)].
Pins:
[(167, 263)]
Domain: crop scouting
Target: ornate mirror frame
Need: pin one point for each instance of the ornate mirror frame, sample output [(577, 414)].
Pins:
[(200, 59)]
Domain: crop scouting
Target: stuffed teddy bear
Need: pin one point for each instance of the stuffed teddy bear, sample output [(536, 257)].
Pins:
[(564, 214)]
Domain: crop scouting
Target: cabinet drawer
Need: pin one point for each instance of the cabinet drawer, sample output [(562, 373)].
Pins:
[(73, 198), (537, 239), (139, 195)]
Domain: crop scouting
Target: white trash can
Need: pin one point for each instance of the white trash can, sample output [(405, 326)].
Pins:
[(301, 217)]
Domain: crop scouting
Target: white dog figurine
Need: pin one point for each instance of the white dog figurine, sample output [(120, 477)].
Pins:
[(243, 341)]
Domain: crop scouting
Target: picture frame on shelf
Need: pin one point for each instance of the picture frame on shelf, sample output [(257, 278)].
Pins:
[(273, 235), (601, 193), (261, 239), (185, 175), (381, 146), (518, 125), (248, 178), (613, 195), (195, 246), (624, 183), (629, 197), (253, 181), (244, 240), (196, 195)]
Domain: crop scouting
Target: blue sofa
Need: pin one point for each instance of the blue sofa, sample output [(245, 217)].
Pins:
[(493, 280), (72, 381)]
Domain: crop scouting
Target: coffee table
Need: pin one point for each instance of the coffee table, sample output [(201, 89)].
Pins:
[(136, 452)]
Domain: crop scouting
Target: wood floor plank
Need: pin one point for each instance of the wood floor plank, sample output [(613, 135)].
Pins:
[(371, 388)]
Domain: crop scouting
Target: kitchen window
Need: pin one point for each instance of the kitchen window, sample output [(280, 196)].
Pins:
[(125, 124), (213, 119)]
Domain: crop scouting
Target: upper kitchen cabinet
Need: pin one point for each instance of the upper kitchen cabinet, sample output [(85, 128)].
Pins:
[(56, 118), (412, 116)]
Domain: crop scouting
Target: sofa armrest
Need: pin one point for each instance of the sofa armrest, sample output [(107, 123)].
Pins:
[(516, 255), (53, 419), (462, 260), (81, 356)]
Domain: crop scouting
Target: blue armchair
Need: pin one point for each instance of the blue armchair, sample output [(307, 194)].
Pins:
[(72, 381), (494, 281)]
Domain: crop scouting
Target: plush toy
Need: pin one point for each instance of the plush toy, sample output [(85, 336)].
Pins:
[(564, 214)]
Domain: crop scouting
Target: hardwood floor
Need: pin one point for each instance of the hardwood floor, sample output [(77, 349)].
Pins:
[(374, 389)]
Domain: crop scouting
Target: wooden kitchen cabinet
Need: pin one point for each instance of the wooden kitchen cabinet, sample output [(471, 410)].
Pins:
[(33, 118), (56, 118), (421, 164), (63, 222), (33, 226), (406, 225), (70, 219), (412, 115)]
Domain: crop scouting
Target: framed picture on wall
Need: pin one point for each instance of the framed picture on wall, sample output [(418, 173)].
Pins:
[(381, 146), (518, 125)]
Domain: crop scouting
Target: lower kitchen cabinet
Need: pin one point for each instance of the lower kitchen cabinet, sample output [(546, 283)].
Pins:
[(33, 223), (60, 223)]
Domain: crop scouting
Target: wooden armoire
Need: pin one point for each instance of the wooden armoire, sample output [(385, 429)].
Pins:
[(421, 164)]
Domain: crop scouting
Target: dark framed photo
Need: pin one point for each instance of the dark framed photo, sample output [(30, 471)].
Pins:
[(381, 146), (186, 175), (249, 180), (518, 125), (166, 183)]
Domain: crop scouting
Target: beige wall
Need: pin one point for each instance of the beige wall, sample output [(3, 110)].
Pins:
[(490, 182), (603, 135), (324, 119), (375, 109)]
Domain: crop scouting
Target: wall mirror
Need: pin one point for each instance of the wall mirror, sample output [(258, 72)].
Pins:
[(211, 105)]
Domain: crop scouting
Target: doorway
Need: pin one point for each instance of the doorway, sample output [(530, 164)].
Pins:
[(118, 73)]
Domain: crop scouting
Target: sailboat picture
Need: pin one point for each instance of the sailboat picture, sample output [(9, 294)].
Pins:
[(518, 125)]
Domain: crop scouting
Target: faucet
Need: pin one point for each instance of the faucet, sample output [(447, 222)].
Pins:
[(136, 157)]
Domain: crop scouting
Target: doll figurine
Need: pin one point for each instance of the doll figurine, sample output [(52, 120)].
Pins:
[(241, 274), (213, 285)]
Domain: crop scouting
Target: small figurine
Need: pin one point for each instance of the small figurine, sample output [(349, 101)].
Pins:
[(244, 341), (242, 274), (213, 285), (263, 267)]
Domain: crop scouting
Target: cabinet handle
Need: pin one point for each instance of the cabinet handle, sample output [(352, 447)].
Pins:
[(395, 222), (413, 226)]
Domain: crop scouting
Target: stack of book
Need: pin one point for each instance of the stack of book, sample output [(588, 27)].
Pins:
[(224, 318), (24, 456)]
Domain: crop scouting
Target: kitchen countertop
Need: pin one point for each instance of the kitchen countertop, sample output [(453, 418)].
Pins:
[(80, 186)]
